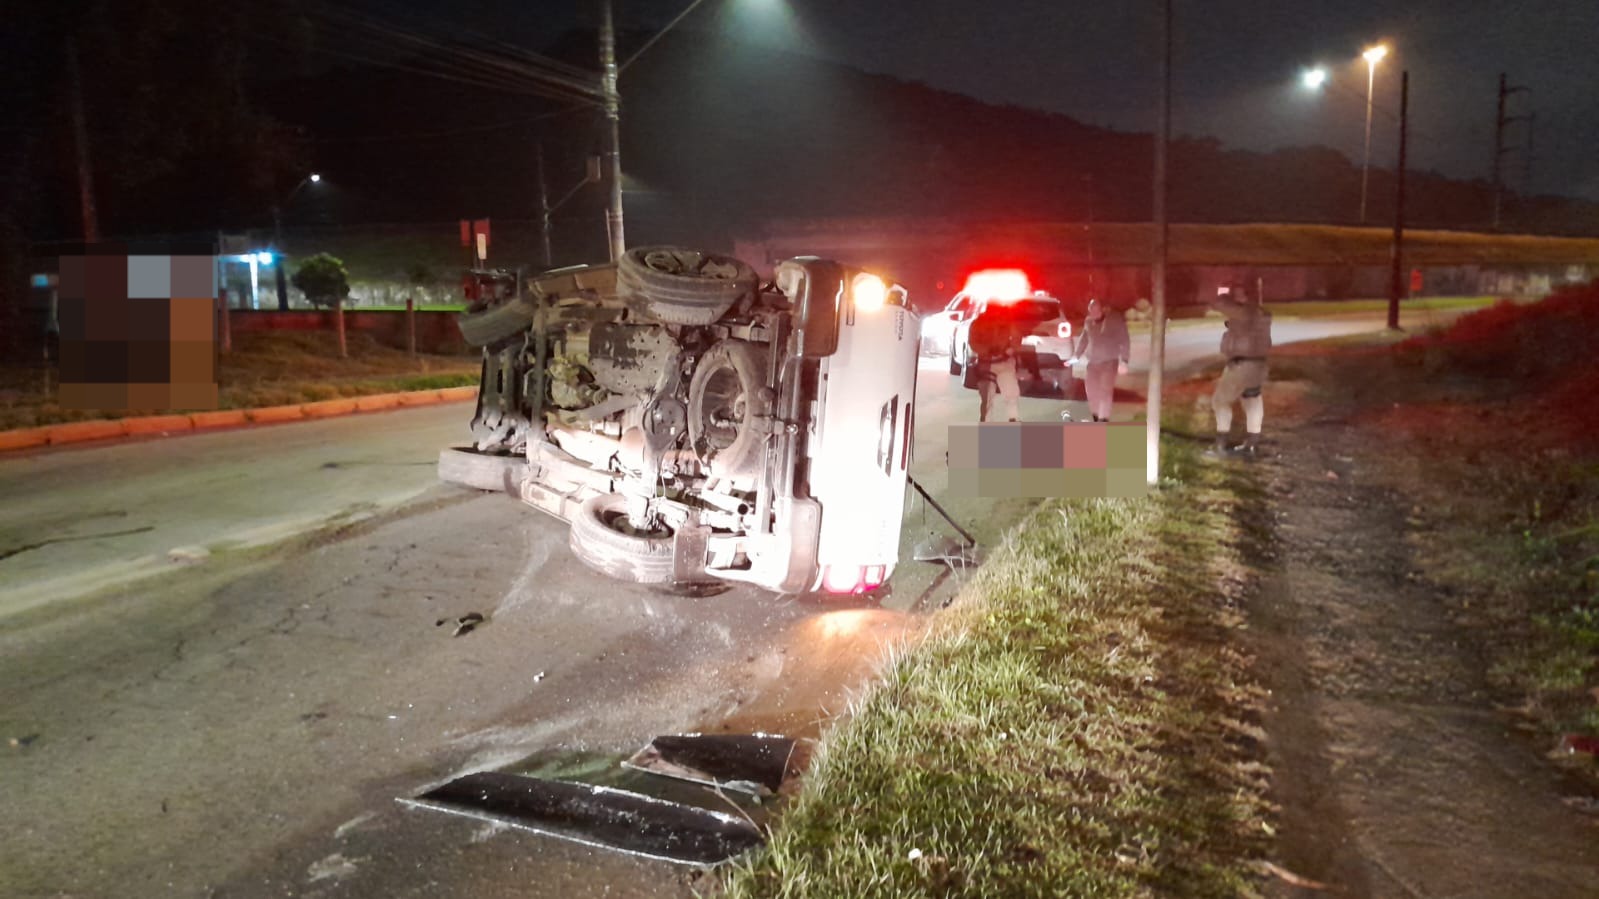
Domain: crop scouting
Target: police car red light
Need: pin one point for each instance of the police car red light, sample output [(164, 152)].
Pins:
[(999, 284)]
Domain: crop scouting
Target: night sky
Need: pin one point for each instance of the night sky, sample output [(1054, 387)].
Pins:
[(1237, 65)]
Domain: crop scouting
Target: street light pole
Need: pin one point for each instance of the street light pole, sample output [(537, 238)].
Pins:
[(1372, 56), (277, 240), (277, 257), (613, 115)]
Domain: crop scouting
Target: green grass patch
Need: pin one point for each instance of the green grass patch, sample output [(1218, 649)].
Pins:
[(1307, 308), (1078, 723)]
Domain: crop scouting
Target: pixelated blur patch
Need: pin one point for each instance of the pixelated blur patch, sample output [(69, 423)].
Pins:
[(137, 329), (1073, 460)]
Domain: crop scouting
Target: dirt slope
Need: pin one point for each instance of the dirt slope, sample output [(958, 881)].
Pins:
[(1397, 771)]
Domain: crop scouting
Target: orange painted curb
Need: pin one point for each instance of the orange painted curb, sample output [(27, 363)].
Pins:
[(24, 438), (157, 424), (101, 429), (79, 431), (378, 402), (223, 418), (328, 408), (270, 414)]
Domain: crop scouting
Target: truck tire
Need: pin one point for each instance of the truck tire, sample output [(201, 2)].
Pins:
[(492, 325), (727, 398), (464, 466), (601, 539), (676, 286)]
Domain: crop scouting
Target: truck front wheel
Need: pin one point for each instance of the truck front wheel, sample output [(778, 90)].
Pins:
[(602, 539)]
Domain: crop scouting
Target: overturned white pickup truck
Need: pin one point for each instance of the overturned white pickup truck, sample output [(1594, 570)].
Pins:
[(696, 424)]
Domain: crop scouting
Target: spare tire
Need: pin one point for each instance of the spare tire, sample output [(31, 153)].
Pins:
[(727, 401), (676, 286), (602, 539), (466, 467), (496, 323)]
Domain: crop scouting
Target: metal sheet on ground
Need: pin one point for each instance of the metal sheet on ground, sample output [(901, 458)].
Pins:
[(596, 816), (751, 763)]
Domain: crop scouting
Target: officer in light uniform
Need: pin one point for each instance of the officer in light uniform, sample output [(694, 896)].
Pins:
[(1245, 344)]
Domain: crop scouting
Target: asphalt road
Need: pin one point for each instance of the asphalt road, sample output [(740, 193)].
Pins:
[(226, 656)]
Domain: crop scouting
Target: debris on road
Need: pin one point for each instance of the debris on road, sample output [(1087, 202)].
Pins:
[(750, 763), (596, 816), (1290, 878), (21, 742), (1572, 744), (464, 624)]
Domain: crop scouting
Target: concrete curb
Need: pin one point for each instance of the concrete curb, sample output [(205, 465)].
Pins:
[(184, 423)]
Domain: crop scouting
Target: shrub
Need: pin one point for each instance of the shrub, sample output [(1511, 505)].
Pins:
[(322, 279)]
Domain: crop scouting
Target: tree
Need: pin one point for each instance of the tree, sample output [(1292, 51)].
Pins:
[(322, 279)]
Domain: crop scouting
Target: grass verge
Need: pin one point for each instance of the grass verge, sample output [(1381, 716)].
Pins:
[(272, 368), (1077, 723)]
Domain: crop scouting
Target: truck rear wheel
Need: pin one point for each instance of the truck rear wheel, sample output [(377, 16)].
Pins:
[(727, 398), (464, 466), (602, 539), (676, 286)]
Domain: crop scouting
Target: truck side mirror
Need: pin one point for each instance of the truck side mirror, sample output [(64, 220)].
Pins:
[(816, 288)]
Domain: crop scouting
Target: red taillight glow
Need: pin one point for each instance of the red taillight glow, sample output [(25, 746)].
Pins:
[(853, 579), (1001, 284)]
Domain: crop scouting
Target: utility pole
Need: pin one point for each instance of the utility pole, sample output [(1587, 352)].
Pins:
[(1396, 281), (544, 205), (1500, 121), (613, 116), (80, 131), (1528, 157), (277, 259), (1157, 331)]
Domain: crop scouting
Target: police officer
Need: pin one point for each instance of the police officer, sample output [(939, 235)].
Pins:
[(1104, 345), (992, 339), (1244, 343)]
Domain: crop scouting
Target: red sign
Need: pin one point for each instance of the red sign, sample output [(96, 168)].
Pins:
[(1415, 280), (466, 233)]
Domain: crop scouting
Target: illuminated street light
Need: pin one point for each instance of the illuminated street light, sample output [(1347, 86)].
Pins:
[(1314, 78), (315, 178), (1372, 56)]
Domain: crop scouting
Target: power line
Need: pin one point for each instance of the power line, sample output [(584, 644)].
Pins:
[(452, 132)]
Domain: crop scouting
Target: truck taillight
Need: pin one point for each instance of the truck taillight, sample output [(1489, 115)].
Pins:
[(853, 579), (873, 576), (869, 292), (841, 578)]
